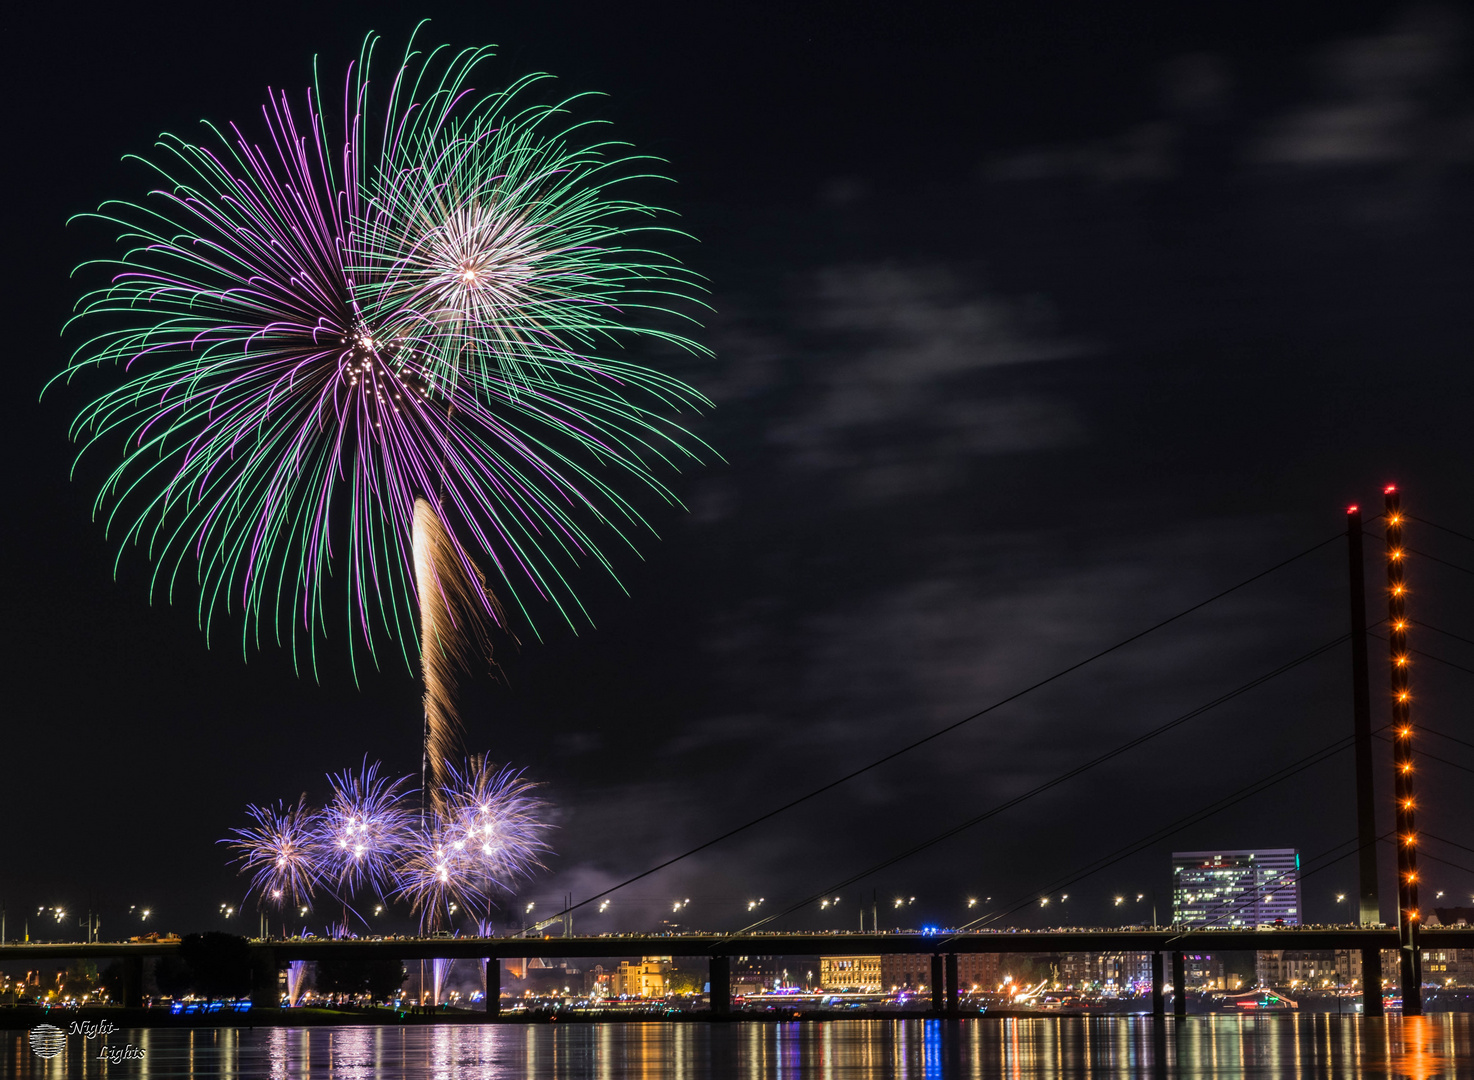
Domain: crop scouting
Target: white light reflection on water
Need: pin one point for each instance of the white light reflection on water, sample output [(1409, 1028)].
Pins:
[(1102, 1048)]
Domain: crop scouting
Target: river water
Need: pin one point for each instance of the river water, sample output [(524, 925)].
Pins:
[(1318, 1046)]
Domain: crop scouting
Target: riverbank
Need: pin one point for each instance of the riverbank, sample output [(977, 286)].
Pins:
[(24, 1017), (19, 1017)]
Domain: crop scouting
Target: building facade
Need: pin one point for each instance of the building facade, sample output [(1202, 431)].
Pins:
[(756, 974), (976, 973), (1118, 972), (1236, 888), (1313, 969), (1447, 967), (645, 978), (1204, 971), (853, 974)]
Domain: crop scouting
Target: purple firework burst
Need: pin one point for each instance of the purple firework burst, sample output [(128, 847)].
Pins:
[(360, 834), (488, 836), (280, 853), (493, 815)]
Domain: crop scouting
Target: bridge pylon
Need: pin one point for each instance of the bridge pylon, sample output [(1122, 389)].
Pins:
[(1369, 907), (1400, 661)]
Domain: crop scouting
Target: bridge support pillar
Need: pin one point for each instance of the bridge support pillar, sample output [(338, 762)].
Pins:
[(132, 988), (494, 986), (1411, 971), (938, 984), (720, 975), (954, 991), (1179, 985), (1159, 1008), (265, 981), (1371, 982)]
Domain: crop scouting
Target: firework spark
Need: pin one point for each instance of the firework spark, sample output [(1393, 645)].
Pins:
[(489, 835), (358, 836), (434, 298), (496, 816), (436, 876), (280, 853)]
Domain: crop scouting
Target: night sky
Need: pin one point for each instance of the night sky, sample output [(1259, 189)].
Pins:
[(1034, 324)]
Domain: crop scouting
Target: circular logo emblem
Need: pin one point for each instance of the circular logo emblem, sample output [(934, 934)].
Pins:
[(48, 1040)]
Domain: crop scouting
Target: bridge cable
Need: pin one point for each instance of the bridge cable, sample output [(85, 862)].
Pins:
[(816, 792), (1069, 774), (1427, 655), (1313, 759), (1446, 634), (1442, 562), (1450, 843), (1442, 735), (1422, 753), (1424, 554), (1425, 855), (1441, 528), (1204, 812)]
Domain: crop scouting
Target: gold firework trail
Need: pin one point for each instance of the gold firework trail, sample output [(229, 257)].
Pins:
[(453, 633)]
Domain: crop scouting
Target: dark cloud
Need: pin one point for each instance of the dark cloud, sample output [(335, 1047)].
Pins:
[(1390, 98), (893, 378)]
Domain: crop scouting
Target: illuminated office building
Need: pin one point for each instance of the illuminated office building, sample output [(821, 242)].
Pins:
[(1236, 888)]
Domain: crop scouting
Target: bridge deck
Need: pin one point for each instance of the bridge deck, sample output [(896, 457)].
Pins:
[(783, 944)]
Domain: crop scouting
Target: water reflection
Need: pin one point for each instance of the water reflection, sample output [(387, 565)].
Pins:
[(1321, 1046)]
